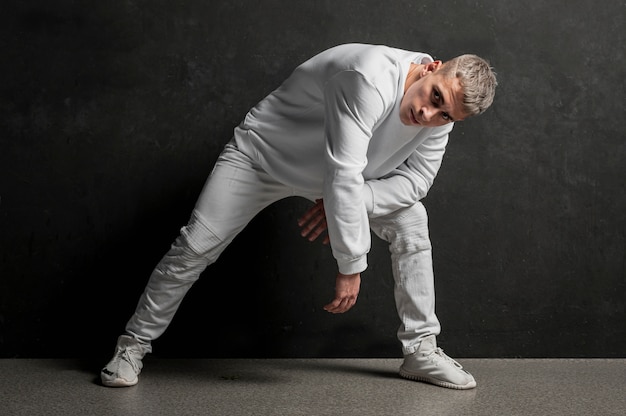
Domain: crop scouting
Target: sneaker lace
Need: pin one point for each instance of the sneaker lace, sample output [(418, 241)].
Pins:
[(441, 355), (127, 355)]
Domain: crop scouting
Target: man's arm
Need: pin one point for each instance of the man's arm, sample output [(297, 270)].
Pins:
[(352, 107), (411, 181)]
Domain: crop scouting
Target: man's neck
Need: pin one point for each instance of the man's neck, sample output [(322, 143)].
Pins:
[(415, 73)]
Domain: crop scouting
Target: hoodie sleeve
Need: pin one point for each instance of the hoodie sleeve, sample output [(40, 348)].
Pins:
[(411, 181), (353, 106)]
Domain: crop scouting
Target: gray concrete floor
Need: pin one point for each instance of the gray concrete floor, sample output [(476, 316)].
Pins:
[(361, 387)]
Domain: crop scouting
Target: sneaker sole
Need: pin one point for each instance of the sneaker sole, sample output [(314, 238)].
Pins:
[(119, 382), (446, 384)]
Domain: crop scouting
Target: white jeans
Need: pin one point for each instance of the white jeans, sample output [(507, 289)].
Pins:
[(237, 190)]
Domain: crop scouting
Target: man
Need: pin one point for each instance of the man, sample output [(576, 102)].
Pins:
[(361, 130)]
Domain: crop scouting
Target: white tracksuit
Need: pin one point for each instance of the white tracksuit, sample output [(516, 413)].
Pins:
[(332, 130)]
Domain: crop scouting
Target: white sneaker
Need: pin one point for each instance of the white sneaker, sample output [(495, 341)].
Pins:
[(125, 366), (431, 365)]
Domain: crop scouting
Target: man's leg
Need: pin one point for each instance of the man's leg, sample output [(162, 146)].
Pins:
[(234, 193), (406, 231)]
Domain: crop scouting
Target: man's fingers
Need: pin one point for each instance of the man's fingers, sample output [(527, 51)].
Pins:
[(333, 307), (341, 308), (305, 217), (314, 210), (315, 227), (339, 305), (313, 222), (319, 229)]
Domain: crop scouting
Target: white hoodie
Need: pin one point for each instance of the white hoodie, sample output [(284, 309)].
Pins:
[(333, 129)]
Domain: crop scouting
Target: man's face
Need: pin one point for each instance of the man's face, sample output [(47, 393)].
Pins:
[(432, 100)]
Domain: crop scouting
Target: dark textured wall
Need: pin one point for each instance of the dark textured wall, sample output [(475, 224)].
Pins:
[(112, 114)]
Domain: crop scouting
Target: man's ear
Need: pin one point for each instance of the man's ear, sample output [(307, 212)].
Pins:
[(431, 67)]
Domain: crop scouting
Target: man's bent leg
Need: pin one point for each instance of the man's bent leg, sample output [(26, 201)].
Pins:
[(406, 230)]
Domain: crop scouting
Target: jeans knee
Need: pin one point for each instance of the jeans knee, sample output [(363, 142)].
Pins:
[(410, 244), (198, 237), (193, 250), (407, 230)]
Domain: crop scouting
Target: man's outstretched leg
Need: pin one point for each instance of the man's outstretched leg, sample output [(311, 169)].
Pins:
[(235, 192), (177, 271), (406, 230)]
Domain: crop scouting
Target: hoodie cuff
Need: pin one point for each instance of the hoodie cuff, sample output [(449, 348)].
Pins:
[(353, 266)]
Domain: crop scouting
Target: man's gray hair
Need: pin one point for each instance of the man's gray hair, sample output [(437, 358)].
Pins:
[(477, 79)]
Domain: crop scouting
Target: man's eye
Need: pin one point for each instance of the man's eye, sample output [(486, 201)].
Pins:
[(436, 95), (445, 116)]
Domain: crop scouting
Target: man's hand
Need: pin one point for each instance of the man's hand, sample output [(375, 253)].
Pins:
[(313, 222), (347, 289), (347, 286)]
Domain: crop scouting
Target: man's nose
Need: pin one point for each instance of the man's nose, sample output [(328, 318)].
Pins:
[(427, 113)]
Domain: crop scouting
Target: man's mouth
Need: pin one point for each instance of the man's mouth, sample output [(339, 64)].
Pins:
[(413, 118)]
